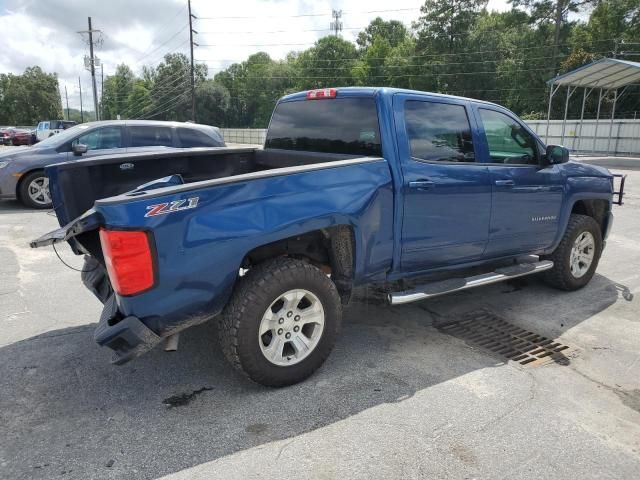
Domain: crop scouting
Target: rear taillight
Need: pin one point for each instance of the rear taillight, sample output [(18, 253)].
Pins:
[(322, 94), (129, 260)]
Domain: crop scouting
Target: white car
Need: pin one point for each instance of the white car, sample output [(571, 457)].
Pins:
[(48, 128)]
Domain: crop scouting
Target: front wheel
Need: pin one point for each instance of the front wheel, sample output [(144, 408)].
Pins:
[(34, 190), (281, 322), (576, 258)]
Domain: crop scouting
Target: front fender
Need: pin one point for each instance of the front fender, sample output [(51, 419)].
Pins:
[(581, 188)]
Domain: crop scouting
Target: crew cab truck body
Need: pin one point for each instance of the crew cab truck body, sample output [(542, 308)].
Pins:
[(420, 192)]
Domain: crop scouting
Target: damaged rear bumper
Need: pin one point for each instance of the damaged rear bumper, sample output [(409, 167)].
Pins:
[(127, 337)]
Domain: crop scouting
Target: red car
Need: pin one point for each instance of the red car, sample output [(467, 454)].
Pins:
[(16, 136)]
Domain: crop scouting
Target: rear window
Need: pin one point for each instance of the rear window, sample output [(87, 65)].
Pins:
[(190, 137), (150, 136), (340, 125)]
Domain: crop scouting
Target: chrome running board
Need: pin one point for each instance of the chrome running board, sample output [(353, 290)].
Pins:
[(436, 289)]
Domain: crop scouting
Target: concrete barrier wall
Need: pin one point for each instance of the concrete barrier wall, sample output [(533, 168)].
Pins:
[(624, 140)]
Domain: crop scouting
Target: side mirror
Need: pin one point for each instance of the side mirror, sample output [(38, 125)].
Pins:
[(79, 149), (556, 154)]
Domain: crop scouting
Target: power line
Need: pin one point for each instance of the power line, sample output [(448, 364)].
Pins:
[(303, 15), (175, 101), (256, 44), (423, 65), (231, 32), (160, 58), (316, 77), (164, 89), (135, 109), (431, 55), (162, 44)]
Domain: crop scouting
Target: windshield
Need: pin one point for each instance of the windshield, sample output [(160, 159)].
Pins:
[(63, 137)]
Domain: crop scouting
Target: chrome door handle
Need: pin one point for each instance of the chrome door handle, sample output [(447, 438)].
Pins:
[(421, 184), (505, 183)]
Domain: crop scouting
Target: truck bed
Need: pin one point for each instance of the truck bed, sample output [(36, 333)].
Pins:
[(75, 186)]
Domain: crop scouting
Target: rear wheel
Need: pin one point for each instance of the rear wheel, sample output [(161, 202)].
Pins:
[(576, 258), (34, 190), (281, 322)]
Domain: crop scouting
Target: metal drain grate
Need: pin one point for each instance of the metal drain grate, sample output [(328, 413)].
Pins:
[(487, 330)]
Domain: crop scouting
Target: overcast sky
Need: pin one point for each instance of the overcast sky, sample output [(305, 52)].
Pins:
[(140, 32)]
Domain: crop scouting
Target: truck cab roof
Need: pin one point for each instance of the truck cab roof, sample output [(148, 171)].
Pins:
[(384, 91)]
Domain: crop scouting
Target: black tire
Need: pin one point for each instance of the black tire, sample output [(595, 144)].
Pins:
[(254, 294), (23, 190), (560, 275)]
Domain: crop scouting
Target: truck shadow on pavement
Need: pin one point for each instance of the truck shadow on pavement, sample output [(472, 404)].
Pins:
[(66, 412)]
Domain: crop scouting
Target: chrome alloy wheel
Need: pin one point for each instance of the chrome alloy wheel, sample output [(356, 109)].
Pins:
[(291, 327), (38, 191), (582, 254)]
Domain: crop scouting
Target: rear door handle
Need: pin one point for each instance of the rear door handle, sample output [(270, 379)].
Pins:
[(421, 184), (505, 183)]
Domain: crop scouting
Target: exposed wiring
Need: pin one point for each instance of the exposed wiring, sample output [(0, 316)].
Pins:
[(69, 266)]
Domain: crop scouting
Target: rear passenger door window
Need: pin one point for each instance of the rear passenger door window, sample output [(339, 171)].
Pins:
[(438, 132), (507, 139), (102, 138), (190, 137), (150, 136)]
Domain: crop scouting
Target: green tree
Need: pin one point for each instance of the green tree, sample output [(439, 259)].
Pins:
[(213, 101), (327, 64), (28, 98), (140, 97), (444, 24), (554, 12), (171, 90), (380, 44), (116, 91), (392, 30)]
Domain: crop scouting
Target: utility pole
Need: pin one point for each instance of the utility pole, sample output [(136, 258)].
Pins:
[(67, 98), (193, 70), (81, 110), (336, 25), (92, 66), (101, 90)]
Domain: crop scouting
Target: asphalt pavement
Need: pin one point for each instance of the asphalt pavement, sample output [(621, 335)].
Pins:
[(398, 398)]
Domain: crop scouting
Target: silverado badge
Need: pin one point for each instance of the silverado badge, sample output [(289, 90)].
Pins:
[(171, 207)]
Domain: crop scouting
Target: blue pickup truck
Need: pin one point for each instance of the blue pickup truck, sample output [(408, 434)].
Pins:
[(420, 193)]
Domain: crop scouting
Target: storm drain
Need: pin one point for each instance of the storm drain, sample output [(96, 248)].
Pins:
[(485, 329)]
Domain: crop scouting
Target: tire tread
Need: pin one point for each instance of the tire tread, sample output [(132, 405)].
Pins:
[(556, 276), (248, 292)]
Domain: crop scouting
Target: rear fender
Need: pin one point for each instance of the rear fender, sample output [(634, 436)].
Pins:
[(200, 249)]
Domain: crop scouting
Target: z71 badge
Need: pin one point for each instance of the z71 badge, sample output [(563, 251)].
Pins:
[(171, 207)]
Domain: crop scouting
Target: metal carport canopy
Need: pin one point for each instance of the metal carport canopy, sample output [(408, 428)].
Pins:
[(606, 74)]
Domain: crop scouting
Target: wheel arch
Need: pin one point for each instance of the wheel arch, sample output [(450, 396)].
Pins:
[(332, 249), (594, 208), (23, 176)]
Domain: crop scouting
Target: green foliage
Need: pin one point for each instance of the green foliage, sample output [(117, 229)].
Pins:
[(444, 24), (116, 91), (28, 98), (393, 31)]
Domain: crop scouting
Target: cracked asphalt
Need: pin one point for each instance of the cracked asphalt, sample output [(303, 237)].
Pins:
[(396, 399)]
